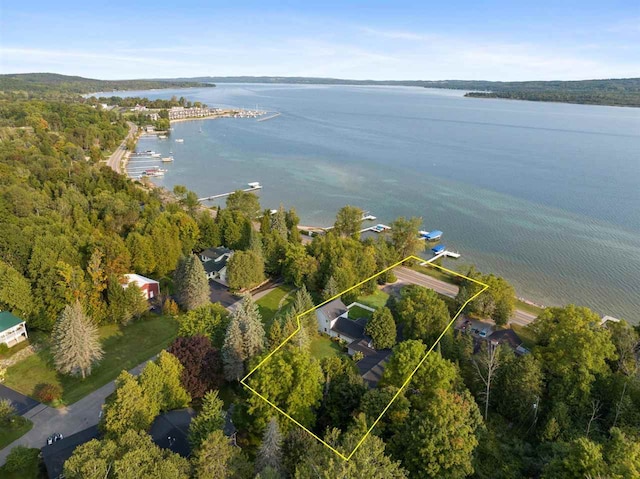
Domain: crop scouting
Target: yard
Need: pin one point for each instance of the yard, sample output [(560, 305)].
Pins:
[(124, 347), (323, 347), (356, 312), (525, 333), (270, 304), (30, 471), (19, 427), (376, 300)]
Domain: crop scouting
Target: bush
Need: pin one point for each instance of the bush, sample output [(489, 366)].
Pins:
[(20, 458), (7, 411), (4, 349), (170, 308), (48, 392)]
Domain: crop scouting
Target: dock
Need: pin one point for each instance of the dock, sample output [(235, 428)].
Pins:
[(379, 228), (252, 187), (442, 254), (269, 117)]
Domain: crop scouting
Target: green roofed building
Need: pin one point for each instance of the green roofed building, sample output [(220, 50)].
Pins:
[(12, 329)]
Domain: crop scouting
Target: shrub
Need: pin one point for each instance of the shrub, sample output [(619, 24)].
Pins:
[(170, 307), (4, 349), (48, 392), (7, 411), (19, 458)]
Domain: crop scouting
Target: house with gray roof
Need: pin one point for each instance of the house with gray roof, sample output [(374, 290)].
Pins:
[(214, 261)]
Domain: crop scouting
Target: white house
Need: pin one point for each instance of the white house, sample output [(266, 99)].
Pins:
[(214, 261), (12, 329)]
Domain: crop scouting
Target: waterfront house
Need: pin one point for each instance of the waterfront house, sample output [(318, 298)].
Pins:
[(13, 330), (150, 287), (333, 319), (214, 261)]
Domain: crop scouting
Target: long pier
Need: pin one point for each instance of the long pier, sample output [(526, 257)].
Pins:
[(269, 117), (256, 186), (447, 253)]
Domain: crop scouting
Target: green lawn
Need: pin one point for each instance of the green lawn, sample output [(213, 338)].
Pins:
[(31, 471), (434, 273), (323, 347), (269, 303), (124, 348), (20, 427), (527, 336), (375, 300), (529, 308), (356, 312)]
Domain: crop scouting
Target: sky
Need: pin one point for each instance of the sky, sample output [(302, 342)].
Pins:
[(392, 40)]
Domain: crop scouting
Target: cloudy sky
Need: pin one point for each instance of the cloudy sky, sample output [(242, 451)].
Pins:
[(400, 40)]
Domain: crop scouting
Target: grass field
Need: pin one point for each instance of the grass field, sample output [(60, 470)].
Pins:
[(31, 471), (9, 434), (529, 308), (268, 304), (375, 300), (356, 312), (323, 347), (124, 347)]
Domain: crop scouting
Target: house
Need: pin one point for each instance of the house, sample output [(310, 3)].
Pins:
[(12, 329), (510, 338), (150, 287), (214, 261), (168, 431), (333, 319)]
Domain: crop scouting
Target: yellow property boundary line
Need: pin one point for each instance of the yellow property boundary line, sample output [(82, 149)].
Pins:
[(346, 458)]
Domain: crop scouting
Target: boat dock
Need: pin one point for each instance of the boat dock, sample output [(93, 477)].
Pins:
[(269, 117), (379, 228), (443, 253), (252, 187)]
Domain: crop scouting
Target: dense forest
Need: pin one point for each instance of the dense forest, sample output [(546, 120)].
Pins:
[(615, 92), (40, 84), (71, 228)]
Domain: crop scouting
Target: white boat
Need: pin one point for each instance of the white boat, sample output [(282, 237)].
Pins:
[(254, 184), (155, 155), (179, 140), (167, 159), (162, 137)]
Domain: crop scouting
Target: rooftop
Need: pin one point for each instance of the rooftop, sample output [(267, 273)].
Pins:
[(170, 431), (349, 327), (508, 336), (333, 309), (8, 320), (139, 279), (215, 253)]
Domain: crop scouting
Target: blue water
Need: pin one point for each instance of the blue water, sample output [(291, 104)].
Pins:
[(544, 194)]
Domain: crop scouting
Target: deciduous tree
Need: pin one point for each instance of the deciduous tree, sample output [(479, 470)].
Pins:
[(382, 328), (348, 221)]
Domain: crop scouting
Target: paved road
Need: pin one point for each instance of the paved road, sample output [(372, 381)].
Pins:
[(114, 160), (67, 420), (409, 276)]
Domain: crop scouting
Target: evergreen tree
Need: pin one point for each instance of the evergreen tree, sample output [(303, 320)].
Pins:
[(191, 283), (250, 323), (76, 344), (270, 452), (302, 303), (279, 223), (331, 289), (210, 419), (275, 334), (233, 351)]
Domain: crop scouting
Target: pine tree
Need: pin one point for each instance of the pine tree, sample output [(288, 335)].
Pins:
[(275, 334), (270, 453), (279, 222), (304, 302), (191, 283), (289, 325), (331, 288), (210, 418), (251, 326), (233, 352), (76, 345)]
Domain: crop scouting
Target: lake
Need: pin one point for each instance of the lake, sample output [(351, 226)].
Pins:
[(546, 195)]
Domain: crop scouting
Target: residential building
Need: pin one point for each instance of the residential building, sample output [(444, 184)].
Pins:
[(214, 261), (13, 330), (150, 287)]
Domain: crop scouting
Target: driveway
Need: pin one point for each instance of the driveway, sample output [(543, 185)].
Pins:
[(220, 294), (66, 420), (19, 401)]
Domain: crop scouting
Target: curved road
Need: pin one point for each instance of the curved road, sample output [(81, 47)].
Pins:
[(409, 276)]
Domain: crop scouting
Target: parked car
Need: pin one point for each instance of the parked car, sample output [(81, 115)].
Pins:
[(54, 438), (483, 333)]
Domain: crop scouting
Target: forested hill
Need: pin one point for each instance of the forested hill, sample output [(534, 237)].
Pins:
[(615, 92), (44, 84)]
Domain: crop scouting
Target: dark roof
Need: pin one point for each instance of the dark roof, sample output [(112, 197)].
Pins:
[(362, 345), (371, 367), (19, 401), (508, 336), (8, 320), (215, 253), (349, 327), (214, 266), (170, 431), (229, 428), (333, 309), (55, 455)]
